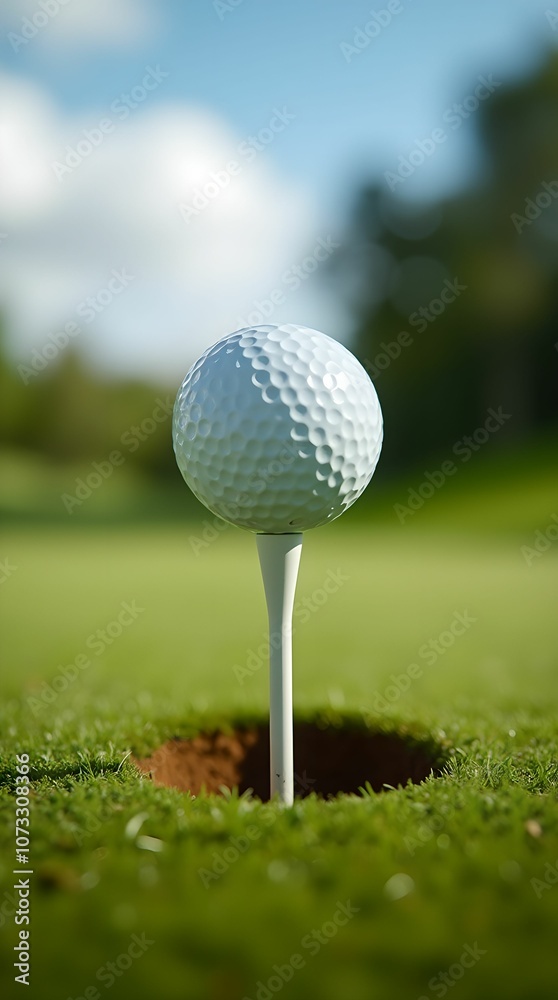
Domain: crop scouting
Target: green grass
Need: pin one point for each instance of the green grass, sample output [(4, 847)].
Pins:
[(429, 868)]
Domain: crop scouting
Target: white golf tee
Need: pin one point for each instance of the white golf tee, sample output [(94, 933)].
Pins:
[(279, 560)]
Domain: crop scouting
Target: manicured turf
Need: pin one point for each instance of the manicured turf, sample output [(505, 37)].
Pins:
[(456, 878)]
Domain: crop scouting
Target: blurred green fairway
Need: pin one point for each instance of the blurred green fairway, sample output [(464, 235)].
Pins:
[(428, 869)]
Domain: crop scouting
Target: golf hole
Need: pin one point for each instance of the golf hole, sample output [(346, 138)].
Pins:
[(328, 761)]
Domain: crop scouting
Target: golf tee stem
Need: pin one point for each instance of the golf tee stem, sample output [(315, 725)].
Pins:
[(279, 560)]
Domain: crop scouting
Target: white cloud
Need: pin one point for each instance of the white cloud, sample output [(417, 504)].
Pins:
[(80, 23), (119, 209), (27, 128)]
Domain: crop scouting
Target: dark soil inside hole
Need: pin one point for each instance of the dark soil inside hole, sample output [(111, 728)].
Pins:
[(327, 761)]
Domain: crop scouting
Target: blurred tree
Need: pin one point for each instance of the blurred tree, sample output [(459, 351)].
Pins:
[(473, 282), (70, 415), (455, 305)]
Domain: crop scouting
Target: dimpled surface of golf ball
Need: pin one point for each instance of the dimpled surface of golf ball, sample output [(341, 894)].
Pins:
[(277, 428)]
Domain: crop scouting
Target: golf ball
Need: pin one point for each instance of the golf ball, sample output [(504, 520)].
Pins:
[(277, 428)]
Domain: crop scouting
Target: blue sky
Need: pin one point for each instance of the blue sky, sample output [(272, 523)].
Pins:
[(230, 65)]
